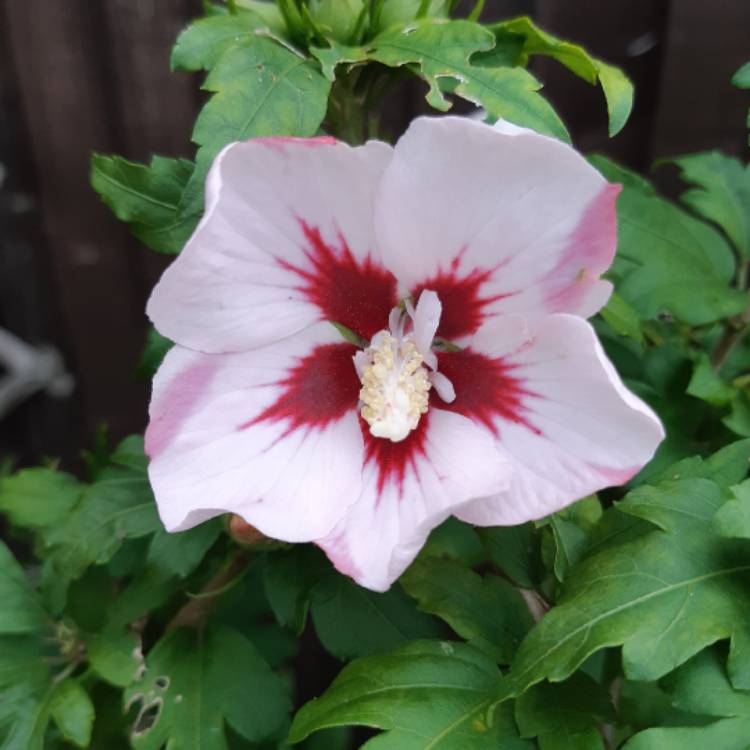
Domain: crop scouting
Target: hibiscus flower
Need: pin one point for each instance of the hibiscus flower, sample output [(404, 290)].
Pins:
[(459, 377)]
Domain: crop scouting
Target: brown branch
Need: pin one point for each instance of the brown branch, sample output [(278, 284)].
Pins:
[(193, 614)]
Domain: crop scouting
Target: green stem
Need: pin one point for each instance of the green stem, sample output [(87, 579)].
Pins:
[(232, 5), (736, 328), (476, 10), (424, 6)]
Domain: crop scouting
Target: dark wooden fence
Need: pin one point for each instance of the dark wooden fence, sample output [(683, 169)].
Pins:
[(84, 75)]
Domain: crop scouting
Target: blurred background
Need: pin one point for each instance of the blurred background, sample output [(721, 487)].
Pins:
[(78, 76)]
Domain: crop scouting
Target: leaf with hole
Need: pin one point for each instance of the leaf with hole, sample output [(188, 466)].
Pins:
[(195, 682)]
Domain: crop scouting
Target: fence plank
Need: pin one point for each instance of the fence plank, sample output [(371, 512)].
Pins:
[(66, 105), (697, 107), (156, 106)]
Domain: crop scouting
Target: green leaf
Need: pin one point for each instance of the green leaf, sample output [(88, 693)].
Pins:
[(146, 197), (424, 695), (663, 596), (733, 518), (115, 655), (572, 529), (721, 193), (667, 260), (726, 467), (26, 692), (179, 554), (288, 578), (443, 50), (564, 716), (618, 90), (352, 621), (455, 540), (741, 79), (260, 88), (701, 687), (707, 385), (738, 420), (195, 682), (402, 12), (119, 505), (21, 610), (201, 45), (38, 498), (622, 318), (73, 712), (486, 611), (338, 19), (516, 551), (153, 353)]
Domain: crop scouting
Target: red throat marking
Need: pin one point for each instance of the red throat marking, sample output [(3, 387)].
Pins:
[(486, 389), (463, 307), (321, 388), (358, 294)]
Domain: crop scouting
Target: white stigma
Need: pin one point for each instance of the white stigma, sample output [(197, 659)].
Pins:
[(394, 370), (395, 386)]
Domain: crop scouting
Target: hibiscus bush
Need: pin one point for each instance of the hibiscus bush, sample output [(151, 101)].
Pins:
[(448, 442)]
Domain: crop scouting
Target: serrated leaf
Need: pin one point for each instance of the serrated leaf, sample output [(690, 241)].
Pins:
[(352, 621), (146, 197), (21, 610), (667, 260), (721, 193), (178, 554), (701, 687), (73, 712), (617, 88), (662, 597), (427, 694), (195, 682), (260, 88), (38, 498), (485, 610), (118, 505), (443, 50), (564, 716), (201, 44)]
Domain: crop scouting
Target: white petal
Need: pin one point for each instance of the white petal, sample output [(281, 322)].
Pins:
[(446, 462), (271, 435), (568, 426), (287, 240), (426, 318), (495, 222)]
